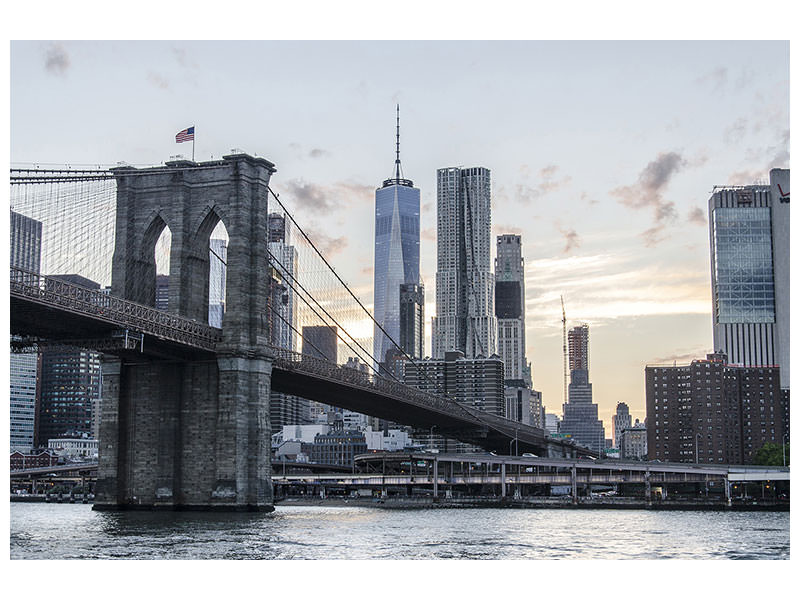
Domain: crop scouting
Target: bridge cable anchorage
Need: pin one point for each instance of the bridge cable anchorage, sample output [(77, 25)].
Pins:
[(339, 327), (435, 384)]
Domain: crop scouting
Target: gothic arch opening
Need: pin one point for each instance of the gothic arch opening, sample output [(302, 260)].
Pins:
[(217, 273)]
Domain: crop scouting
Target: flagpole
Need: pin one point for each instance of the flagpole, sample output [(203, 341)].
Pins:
[(195, 134)]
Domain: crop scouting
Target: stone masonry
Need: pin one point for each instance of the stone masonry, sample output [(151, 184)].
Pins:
[(191, 433)]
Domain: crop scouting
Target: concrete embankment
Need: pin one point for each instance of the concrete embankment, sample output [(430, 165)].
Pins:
[(557, 502)]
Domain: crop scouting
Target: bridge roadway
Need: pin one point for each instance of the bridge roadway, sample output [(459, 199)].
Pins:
[(376, 471), (45, 309)]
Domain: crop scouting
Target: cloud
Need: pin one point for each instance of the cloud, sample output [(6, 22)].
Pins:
[(327, 245), (367, 271), (607, 287), (327, 198), (648, 192), (57, 59), (318, 153), (548, 183), (158, 81), (427, 206), (779, 152), (697, 216), (429, 233), (506, 229), (571, 238), (717, 79), (744, 177), (682, 355), (735, 132), (183, 59)]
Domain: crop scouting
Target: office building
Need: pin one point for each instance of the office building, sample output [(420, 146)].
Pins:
[(552, 423), (509, 305), (26, 253), (396, 253), (338, 446), (26, 242), (749, 231), (465, 318), (622, 419), (633, 441), (711, 411), (218, 258), (320, 341), (69, 394), (522, 403), (412, 319), (474, 382), (162, 292), (580, 413), (283, 258)]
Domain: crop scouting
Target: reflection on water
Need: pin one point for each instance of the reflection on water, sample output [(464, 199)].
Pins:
[(47, 531)]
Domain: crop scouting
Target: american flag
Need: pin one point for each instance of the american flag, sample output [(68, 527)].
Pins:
[(187, 135)]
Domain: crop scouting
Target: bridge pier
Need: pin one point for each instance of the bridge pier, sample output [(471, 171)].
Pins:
[(186, 436), (191, 430)]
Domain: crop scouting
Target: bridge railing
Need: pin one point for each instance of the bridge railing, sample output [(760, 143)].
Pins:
[(71, 297), (294, 361)]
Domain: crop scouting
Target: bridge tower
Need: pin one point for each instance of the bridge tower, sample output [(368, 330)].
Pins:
[(191, 431)]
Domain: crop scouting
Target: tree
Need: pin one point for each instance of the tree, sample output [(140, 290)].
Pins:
[(771, 455)]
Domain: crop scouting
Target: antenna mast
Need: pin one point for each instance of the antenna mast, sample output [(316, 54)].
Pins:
[(564, 344), (397, 151)]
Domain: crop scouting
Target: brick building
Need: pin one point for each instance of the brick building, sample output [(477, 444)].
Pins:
[(713, 412)]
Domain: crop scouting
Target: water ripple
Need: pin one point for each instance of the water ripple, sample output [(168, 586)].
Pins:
[(67, 531)]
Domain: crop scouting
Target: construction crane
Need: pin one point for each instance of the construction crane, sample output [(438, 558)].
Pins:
[(564, 344)]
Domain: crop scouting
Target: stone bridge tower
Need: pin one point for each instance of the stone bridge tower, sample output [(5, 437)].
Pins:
[(191, 431)]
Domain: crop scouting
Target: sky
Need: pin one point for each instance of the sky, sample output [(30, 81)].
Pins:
[(603, 156)]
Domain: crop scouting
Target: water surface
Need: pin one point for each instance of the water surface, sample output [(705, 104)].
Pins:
[(73, 531)]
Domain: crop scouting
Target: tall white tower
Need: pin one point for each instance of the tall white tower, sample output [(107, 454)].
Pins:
[(465, 318)]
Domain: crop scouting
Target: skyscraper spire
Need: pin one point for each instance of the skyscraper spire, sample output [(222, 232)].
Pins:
[(397, 155)]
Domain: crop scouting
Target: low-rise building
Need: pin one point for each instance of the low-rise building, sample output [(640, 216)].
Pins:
[(74, 447)]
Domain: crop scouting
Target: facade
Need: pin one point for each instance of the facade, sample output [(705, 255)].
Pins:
[(162, 292), (465, 318), (749, 233), (474, 382), (509, 306), (622, 420), (412, 319), (217, 260), (633, 441), (320, 341), (522, 403), (26, 242), (711, 411), (283, 258), (396, 254), (26, 253), (74, 448), (35, 460), (552, 423), (69, 387), (338, 446), (580, 413), (69, 394)]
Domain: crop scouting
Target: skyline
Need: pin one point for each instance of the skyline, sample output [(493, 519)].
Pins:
[(622, 233)]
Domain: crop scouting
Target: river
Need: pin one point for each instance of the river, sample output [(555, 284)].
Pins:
[(74, 531)]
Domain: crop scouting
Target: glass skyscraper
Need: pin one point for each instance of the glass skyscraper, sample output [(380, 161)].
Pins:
[(26, 253), (749, 231), (396, 252)]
